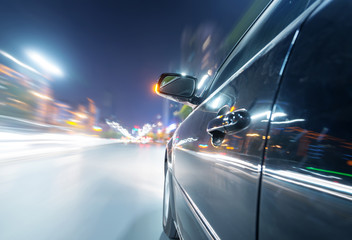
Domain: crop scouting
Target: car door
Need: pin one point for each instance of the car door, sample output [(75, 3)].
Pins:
[(307, 177), (219, 184)]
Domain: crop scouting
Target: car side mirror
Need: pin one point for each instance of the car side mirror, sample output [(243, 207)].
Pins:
[(177, 87)]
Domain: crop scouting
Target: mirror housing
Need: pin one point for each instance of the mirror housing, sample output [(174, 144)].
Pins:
[(177, 87)]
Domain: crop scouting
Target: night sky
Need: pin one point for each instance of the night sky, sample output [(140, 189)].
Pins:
[(110, 50)]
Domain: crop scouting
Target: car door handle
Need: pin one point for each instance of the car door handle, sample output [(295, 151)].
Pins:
[(228, 123)]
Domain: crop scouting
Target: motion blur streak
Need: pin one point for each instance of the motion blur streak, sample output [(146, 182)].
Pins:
[(334, 188), (18, 145), (41, 95), (111, 191), (44, 63), (5, 54)]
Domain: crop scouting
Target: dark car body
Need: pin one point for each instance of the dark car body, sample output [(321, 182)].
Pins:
[(286, 173)]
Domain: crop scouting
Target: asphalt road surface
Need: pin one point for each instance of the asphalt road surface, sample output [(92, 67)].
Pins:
[(110, 191)]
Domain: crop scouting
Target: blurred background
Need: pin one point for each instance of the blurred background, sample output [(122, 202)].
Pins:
[(74, 65), (78, 111)]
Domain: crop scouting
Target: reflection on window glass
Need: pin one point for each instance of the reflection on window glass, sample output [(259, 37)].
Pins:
[(204, 48), (278, 15), (168, 79)]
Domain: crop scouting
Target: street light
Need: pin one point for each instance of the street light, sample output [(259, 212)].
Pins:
[(44, 63)]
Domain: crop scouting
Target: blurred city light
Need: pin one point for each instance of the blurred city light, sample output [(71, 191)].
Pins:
[(44, 63), (17, 144), (5, 54), (183, 74), (171, 127), (140, 132), (81, 115), (119, 128), (72, 123), (97, 128), (146, 129), (42, 96), (156, 88)]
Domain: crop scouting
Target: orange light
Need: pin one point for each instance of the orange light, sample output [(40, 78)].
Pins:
[(232, 109), (231, 148), (156, 89), (252, 135), (276, 146)]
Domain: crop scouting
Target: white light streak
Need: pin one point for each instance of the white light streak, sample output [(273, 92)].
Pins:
[(5, 54), (202, 81), (42, 96), (171, 127), (44, 63)]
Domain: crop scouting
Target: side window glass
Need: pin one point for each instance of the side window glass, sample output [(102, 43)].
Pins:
[(278, 15)]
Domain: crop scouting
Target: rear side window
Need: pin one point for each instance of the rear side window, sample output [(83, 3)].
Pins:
[(278, 15)]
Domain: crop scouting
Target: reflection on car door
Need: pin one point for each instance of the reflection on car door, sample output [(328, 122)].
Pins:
[(221, 183), (307, 177)]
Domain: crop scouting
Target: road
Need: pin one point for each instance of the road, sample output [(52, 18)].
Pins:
[(111, 191)]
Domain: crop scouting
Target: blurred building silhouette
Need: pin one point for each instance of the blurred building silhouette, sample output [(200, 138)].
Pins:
[(92, 113), (200, 52), (200, 57), (24, 92), (64, 113)]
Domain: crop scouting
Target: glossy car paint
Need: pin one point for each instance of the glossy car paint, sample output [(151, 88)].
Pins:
[(222, 182), (304, 186), (307, 177), (216, 188)]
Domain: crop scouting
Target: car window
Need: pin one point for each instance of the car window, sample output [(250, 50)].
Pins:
[(278, 15), (212, 57)]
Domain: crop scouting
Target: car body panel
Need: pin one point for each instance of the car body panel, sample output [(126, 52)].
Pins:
[(221, 184), (306, 189), (223, 181), (303, 190)]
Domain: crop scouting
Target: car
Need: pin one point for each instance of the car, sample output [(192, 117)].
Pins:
[(266, 152)]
